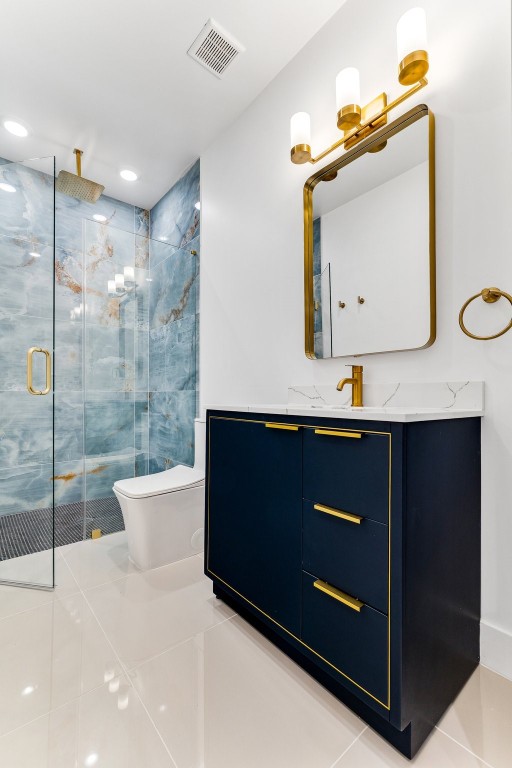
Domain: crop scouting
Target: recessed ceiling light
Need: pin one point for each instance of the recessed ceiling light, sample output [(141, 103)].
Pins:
[(128, 175), (99, 217), (198, 205), (15, 128), (34, 254), (7, 187)]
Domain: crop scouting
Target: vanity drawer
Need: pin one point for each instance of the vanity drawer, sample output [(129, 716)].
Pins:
[(354, 641), (350, 552), (347, 469)]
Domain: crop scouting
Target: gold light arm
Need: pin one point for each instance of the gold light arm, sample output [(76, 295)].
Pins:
[(368, 123), (30, 355)]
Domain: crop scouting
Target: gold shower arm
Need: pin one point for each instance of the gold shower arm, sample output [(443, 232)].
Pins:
[(78, 153)]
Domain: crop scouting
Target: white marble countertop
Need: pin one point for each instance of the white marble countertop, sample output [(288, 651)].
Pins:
[(395, 401), (376, 413)]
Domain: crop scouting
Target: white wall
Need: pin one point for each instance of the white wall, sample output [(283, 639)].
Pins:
[(252, 248)]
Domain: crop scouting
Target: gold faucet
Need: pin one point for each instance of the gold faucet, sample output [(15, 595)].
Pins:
[(357, 385)]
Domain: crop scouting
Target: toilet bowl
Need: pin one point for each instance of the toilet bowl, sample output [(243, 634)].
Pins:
[(164, 513)]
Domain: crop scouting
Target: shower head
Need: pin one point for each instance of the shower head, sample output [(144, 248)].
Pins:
[(76, 186)]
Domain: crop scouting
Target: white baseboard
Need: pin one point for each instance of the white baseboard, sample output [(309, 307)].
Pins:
[(496, 649)]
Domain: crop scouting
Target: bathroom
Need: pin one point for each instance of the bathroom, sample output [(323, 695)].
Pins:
[(183, 295)]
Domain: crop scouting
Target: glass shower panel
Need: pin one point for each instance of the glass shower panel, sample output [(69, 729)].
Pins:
[(140, 383), (115, 368), (27, 237)]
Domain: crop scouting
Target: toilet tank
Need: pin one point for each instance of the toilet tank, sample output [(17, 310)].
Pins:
[(200, 444)]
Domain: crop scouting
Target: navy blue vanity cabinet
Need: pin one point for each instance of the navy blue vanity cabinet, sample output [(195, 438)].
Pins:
[(355, 547), (254, 510)]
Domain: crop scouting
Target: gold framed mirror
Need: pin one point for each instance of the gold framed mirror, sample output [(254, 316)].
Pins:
[(369, 244)]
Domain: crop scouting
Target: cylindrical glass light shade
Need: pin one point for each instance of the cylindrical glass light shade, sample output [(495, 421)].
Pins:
[(411, 43), (348, 98), (348, 87), (111, 286), (129, 274), (300, 134), (119, 282)]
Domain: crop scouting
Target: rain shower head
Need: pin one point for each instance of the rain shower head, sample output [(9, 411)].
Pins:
[(76, 186)]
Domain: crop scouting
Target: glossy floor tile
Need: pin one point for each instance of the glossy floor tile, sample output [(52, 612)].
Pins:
[(126, 669), (147, 613), (481, 718), (104, 728), (96, 562), (370, 751), (49, 656), (228, 697), (35, 568)]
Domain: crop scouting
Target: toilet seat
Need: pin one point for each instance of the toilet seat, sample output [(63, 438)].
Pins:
[(176, 479)]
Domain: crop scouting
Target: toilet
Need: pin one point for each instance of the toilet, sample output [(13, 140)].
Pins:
[(164, 513)]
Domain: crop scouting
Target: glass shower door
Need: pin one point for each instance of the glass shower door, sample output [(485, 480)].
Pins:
[(27, 240)]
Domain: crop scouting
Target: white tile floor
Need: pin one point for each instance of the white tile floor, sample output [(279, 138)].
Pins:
[(120, 669)]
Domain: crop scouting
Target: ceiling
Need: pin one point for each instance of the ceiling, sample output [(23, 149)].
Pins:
[(113, 78)]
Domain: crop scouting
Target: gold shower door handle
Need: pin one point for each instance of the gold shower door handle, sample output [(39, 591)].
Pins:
[(30, 355)]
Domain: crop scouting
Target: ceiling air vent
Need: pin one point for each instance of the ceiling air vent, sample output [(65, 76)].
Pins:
[(214, 48)]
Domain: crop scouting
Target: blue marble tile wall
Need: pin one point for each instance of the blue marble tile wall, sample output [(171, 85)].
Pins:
[(101, 342), (174, 324)]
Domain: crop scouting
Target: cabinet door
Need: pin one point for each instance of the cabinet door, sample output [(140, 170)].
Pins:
[(254, 508)]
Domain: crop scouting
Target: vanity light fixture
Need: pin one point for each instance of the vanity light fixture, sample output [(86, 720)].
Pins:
[(358, 122)]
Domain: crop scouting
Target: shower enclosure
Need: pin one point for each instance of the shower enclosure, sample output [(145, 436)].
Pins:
[(27, 312), (102, 304)]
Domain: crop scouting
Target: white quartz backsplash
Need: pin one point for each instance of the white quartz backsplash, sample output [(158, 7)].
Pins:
[(465, 395)]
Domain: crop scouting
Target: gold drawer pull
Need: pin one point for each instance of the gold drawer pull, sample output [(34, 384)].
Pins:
[(338, 513), (337, 594), (338, 433), (290, 427)]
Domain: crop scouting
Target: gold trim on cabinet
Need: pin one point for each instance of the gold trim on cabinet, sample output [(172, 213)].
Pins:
[(287, 631), (338, 433), (290, 427), (338, 513), (369, 145), (48, 383), (337, 594), (305, 426)]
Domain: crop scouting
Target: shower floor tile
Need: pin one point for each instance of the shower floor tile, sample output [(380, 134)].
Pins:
[(27, 532)]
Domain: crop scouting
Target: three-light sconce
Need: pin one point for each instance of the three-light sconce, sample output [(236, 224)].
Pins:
[(356, 122), (123, 283)]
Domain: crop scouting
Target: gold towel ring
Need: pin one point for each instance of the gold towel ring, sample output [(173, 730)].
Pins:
[(490, 296)]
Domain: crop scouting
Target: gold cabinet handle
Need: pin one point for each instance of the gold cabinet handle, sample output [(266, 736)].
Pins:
[(30, 355), (290, 427), (337, 433), (338, 513), (337, 594)]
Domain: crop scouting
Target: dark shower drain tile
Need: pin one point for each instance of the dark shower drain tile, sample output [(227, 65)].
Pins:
[(29, 532)]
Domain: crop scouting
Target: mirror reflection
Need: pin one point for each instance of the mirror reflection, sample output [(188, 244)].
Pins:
[(373, 246)]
